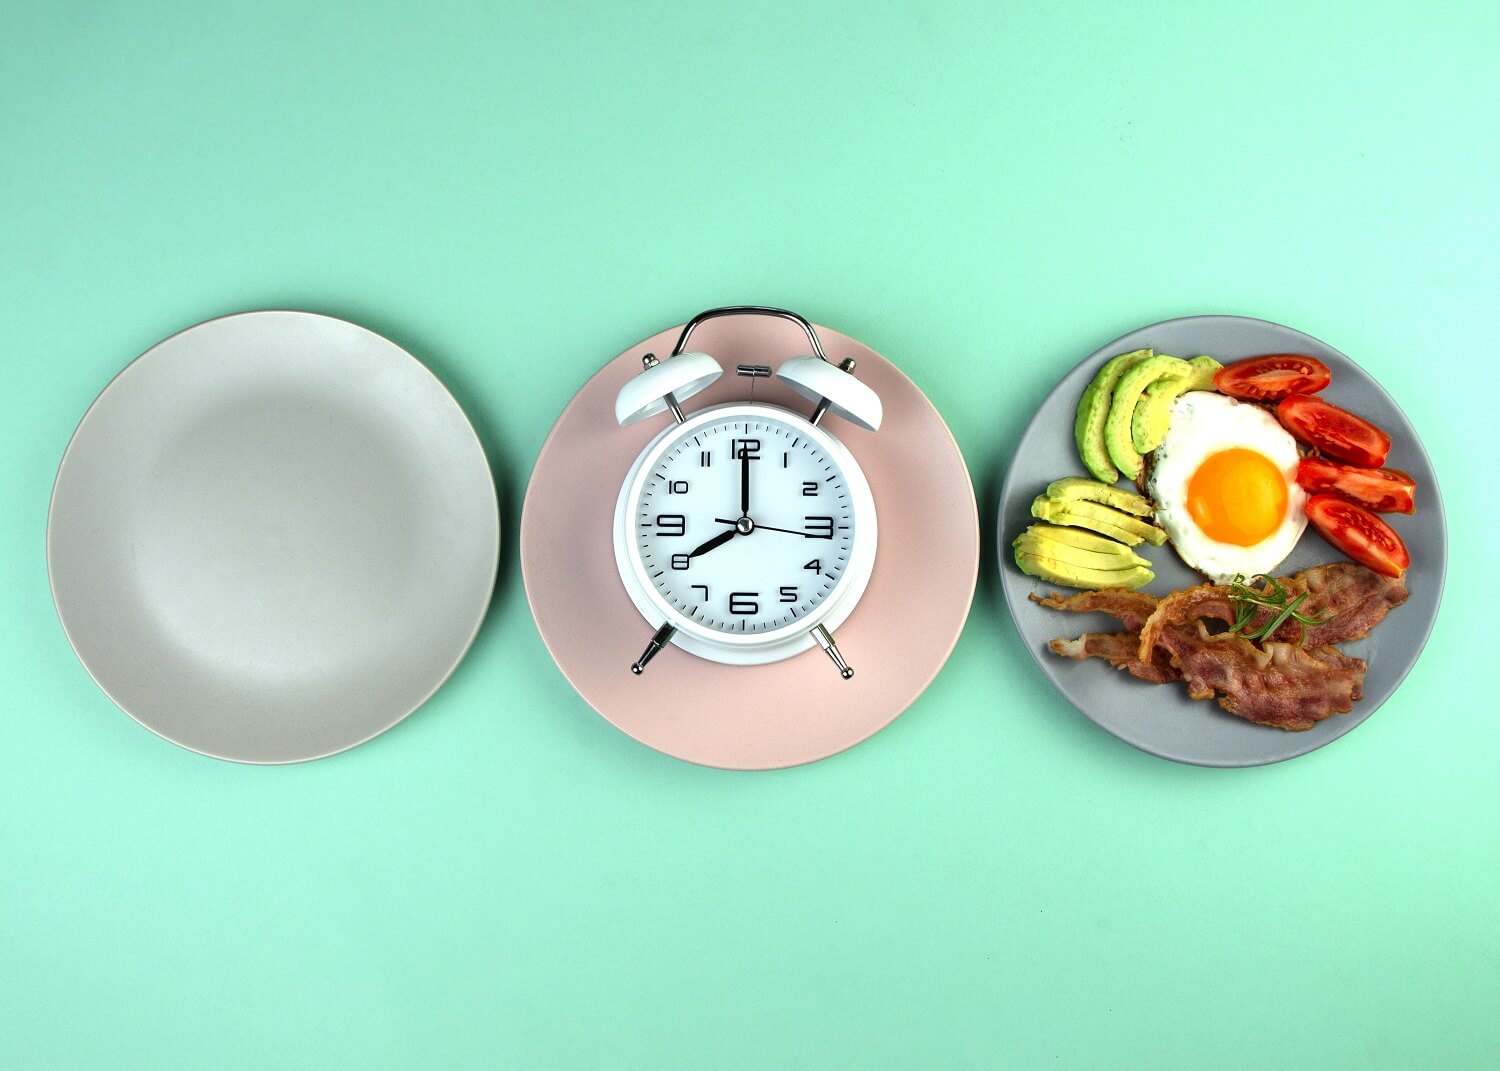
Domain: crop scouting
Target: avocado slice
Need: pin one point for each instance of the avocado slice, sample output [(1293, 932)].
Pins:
[(1093, 408), (1128, 391), (1074, 576), (1076, 488), (1148, 424), (1091, 515), (1043, 541), (1080, 538)]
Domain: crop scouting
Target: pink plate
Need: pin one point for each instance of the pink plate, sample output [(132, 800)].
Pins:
[(786, 713)]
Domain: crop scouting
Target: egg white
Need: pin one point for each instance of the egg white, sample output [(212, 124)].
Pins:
[(1204, 423)]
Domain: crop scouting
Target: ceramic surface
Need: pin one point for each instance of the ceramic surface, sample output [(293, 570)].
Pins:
[(272, 537)]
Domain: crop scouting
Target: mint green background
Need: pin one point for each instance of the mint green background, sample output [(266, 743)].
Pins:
[(517, 192)]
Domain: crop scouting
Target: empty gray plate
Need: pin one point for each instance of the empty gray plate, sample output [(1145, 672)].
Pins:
[(272, 537), (1161, 719)]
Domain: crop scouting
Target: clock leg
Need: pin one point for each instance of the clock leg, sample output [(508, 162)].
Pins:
[(661, 639), (825, 641)]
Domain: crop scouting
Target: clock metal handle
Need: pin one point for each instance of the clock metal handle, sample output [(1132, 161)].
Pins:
[(747, 310)]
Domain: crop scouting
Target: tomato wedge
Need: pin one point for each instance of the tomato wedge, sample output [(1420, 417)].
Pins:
[(1272, 376), (1358, 533), (1334, 431), (1380, 490)]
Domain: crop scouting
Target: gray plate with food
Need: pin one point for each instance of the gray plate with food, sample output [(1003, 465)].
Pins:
[(1227, 473)]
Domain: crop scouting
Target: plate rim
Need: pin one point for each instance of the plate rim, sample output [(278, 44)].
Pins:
[(1003, 563), (493, 556)]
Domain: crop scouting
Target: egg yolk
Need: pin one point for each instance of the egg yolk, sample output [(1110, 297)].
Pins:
[(1237, 496)]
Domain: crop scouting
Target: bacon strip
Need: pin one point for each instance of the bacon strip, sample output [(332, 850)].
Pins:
[(1292, 680), (1119, 650), (1279, 684), (1131, 607), (1349, 600)]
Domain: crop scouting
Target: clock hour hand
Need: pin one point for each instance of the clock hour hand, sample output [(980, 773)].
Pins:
[(714, 543)]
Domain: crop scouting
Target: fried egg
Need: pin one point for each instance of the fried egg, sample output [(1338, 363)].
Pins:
[(1224, 480)]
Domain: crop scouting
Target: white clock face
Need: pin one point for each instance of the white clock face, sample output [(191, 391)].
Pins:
[(744, 525)]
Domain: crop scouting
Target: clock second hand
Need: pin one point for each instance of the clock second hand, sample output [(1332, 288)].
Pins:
[(761, 527)]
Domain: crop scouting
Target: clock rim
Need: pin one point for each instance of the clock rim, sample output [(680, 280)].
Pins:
[(751, 648)]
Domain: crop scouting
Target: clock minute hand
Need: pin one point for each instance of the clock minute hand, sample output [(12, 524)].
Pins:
[(744, 482), (714, 543)]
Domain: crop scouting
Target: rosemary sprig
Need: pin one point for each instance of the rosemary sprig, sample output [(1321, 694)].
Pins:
[(1248, 601)]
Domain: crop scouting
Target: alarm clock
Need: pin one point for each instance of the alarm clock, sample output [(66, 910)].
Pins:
[(745, 533)]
